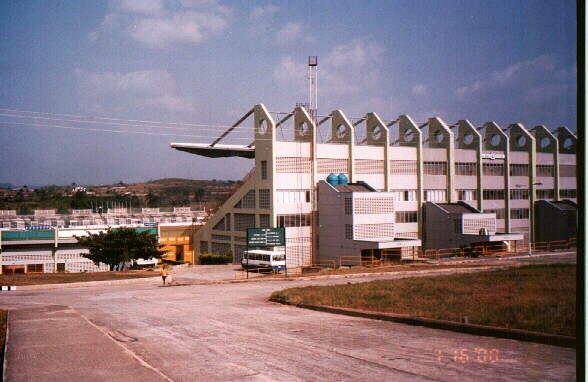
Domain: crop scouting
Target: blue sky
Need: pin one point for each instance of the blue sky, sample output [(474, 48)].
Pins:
[(206, 62)]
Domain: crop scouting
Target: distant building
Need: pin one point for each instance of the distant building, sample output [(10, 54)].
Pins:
[(43, 240)]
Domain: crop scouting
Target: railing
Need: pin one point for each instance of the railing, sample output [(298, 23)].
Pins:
[(498, 249)]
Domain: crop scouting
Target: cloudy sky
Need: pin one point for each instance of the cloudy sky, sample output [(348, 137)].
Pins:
[(74, 74)]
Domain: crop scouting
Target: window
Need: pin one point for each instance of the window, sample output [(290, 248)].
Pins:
[(349, 231), (203, 247), (435, 168), (404, 195), (348, 206), (369, 166), (467, 194), (293, 165), (519, 169), (372, 231), (545, 194), (466, 168), (374, 205), (493, 194), (34, 268), (435, 195), (519, 194), (567, 193), (493, 169), (519, 213), (327, 165), (264, 221), (545, 170), (263, 170), (294, 220), (293, 196), (567, 170), (500, 212), (406, 217), (248, 201), (221, 248), (224, 224), (403, 167), (220, 237), (244, 221), (264, 199)]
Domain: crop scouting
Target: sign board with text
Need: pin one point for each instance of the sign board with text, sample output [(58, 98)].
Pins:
[(266, 237)]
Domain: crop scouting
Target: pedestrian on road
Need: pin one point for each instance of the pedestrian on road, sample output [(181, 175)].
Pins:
[(164, 272)]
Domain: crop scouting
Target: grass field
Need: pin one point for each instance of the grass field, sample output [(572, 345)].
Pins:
[(539, 298), (57, 278)]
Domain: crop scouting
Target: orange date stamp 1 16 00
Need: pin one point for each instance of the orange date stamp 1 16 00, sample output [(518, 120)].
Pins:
[(465, 355)]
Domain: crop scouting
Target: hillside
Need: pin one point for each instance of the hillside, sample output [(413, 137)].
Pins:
[(167, 192)]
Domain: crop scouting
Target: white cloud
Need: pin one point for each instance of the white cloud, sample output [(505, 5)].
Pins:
[(140, 6), (159, 24), (184, 27), (530, 81), (349, 76), (132, 90), (420, 90), (262, 12), (292, 31)]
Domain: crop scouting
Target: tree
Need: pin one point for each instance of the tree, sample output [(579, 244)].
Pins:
[(119, 247)]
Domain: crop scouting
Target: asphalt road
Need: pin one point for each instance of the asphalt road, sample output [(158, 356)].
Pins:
[(230, 332)]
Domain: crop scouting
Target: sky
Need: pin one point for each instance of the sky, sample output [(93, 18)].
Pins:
[(77, 78)]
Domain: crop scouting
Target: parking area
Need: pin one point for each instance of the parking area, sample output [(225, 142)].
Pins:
[(231, 332)]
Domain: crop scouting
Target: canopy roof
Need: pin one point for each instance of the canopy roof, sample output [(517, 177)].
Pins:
[(216, 151)]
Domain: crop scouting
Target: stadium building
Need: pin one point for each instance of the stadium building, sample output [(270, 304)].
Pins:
[(343, 186)]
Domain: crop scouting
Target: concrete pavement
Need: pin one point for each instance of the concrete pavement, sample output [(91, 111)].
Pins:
[(221, 332), (55, 343)]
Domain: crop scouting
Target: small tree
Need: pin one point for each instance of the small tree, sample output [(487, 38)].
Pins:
[(118, 247)]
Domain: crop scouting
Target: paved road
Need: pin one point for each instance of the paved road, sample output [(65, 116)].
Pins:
[(230, 332)]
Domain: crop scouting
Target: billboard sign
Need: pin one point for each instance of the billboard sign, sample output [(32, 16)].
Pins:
[(266, 237)]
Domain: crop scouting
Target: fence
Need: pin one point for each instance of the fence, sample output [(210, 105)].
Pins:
[(497, 249)]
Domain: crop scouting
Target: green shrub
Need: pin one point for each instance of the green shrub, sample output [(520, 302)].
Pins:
[(215, 258)]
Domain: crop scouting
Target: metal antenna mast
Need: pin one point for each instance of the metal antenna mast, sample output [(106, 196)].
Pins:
[(313, 86)]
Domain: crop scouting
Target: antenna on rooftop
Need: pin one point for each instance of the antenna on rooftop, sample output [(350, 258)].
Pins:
[(313, 87)]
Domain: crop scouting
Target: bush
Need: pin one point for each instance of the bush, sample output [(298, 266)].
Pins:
[(215, 258)]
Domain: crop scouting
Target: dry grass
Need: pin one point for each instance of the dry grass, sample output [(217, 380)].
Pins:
[(393, 268), (58, 278), (538, 297)]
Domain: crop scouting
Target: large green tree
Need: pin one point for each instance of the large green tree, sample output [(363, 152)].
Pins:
[(119, 247)]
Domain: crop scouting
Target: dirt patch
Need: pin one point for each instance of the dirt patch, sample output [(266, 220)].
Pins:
[(58, 278)]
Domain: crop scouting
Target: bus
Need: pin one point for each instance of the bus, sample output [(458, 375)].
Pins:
[(263, 259)]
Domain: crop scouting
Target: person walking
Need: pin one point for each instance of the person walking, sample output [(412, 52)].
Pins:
[(164, 272)]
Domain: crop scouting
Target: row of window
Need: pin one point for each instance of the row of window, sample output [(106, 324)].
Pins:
[(515, 213), (436, 195), (467, 194), (292, 196), (294, 220), (241, 222), (409, 167), (370, 206), (435, 168), (248, 201), (406, 217)]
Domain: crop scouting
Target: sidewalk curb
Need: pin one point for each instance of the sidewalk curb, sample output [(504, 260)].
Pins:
[(157, 279), (5, 350), (88, 283), (480, 330)]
